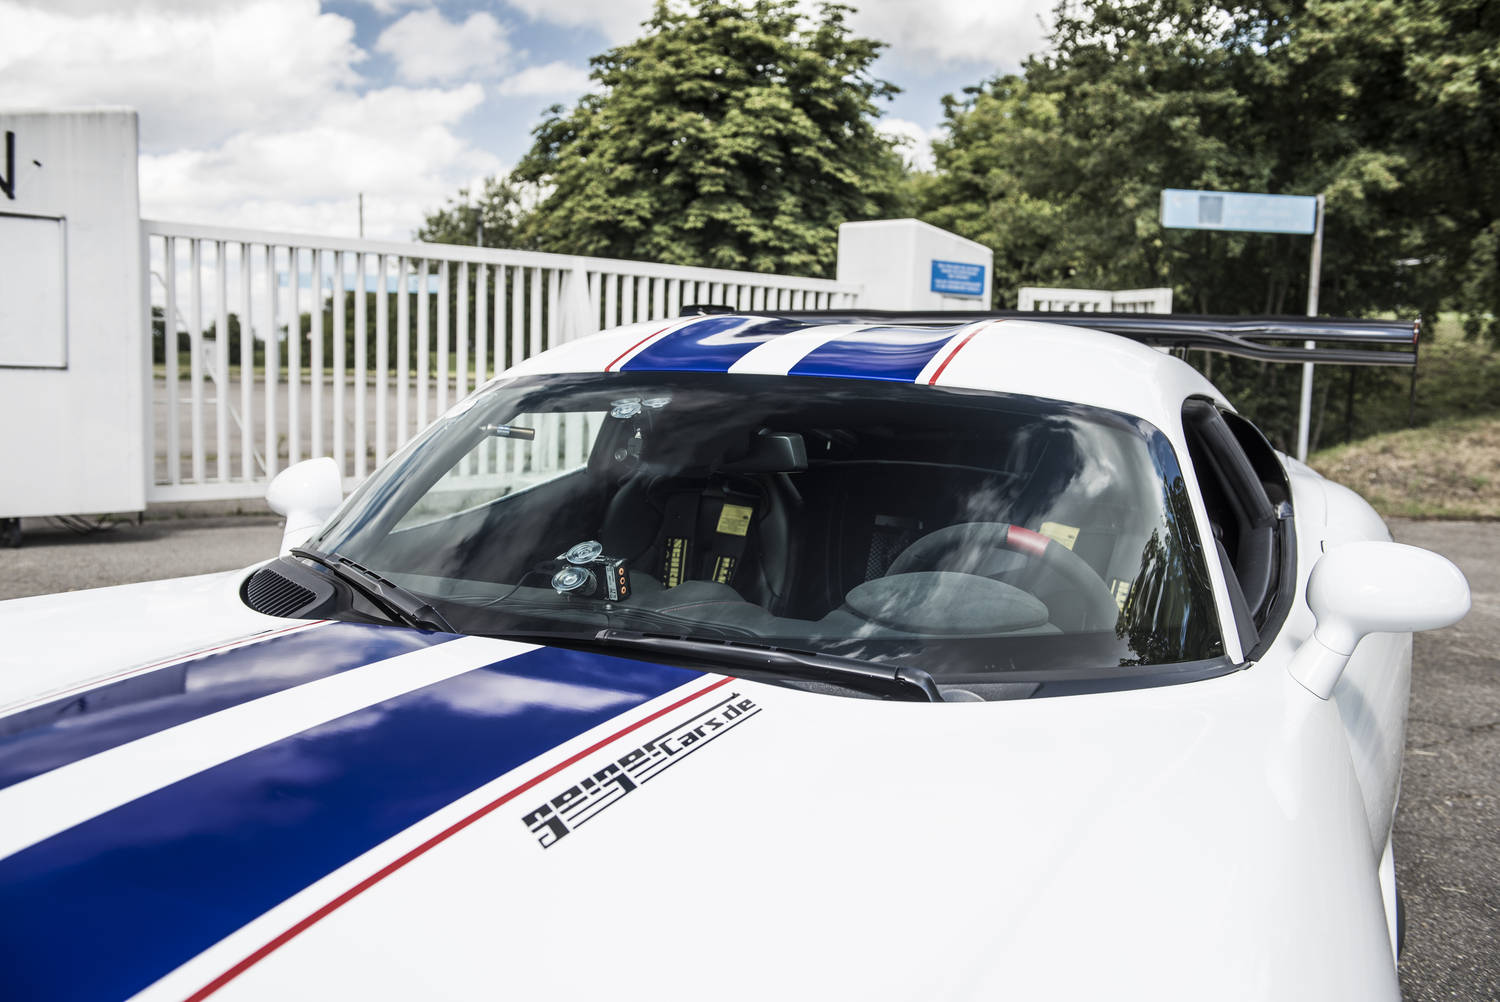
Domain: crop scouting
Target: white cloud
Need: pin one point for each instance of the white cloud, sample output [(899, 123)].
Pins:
[(252, 113), (998, 33), (428, 48), (396, 146), (74, 7), (196, 72), (391, 6), (915, 141), (552, 79), (617, 20)]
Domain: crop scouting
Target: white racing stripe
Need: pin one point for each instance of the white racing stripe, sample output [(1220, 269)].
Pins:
[(78, 688), (55, 801), (955, 344), (777, 356)]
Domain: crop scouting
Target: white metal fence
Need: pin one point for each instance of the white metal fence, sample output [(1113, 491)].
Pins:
[(270, 348), (1095, 300)]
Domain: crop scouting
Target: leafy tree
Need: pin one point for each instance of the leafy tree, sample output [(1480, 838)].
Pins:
[(1448, 52), (1060, 168), (493, 219), (1388, 108), (730, 134)]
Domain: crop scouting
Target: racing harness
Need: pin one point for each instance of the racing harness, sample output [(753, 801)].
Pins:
[(704, 534)]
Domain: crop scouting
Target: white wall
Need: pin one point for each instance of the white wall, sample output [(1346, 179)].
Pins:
[(899, 261), (71, 345)]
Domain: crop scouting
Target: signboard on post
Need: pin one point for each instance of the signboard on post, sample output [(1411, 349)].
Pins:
[(956, 278), (1236, 210), (1250, 212)]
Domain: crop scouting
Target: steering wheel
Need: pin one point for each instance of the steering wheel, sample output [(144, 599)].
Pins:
[(974, 539)]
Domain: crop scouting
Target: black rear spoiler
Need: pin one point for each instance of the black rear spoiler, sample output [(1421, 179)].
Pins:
[(1381, 342)]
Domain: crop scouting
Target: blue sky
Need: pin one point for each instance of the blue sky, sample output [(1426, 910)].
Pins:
[(278, 113)]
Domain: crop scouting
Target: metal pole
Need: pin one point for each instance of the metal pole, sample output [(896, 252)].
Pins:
[(1304, 414), (361, 215)]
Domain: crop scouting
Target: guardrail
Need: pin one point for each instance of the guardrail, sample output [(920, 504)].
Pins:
[(273, 336), (1032, 297)]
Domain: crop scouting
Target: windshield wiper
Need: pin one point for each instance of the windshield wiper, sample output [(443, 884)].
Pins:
[(913, 684), (401, 605)]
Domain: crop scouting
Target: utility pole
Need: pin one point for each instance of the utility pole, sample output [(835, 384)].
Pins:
[(1314, 277)]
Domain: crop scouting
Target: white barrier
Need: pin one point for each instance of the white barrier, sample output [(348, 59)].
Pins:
[(70, 286), (1094, 300), (450, 318)]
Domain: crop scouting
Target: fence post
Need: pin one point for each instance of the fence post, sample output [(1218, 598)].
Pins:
[(576, 308)]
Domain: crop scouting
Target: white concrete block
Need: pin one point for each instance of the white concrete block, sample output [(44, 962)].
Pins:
[(906, 264), (72, 347)]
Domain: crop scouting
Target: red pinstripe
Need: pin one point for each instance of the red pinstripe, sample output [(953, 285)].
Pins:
[(967, 338), (633, 347)]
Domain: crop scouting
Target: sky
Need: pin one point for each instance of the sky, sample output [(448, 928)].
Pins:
[(277, 114)]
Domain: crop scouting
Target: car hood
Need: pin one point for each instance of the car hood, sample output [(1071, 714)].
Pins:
[(56, 643), (379, 812)]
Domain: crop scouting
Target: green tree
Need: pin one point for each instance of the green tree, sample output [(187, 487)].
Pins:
[(1388, 108), (1448, 52), (493, 218), (1060, 168), (730, 135)]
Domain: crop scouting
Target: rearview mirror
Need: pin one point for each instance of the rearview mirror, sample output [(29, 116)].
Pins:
[(1368, 587), (306, 493), (770, 452)]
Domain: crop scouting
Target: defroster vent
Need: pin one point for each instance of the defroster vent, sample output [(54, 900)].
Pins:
[(275, 594)]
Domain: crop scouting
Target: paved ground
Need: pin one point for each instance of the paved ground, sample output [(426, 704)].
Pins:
[(1447, 830), (53, 558), (1448, 826)]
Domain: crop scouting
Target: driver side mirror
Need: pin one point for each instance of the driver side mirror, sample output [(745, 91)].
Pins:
[(306, 493), (1370, 587)]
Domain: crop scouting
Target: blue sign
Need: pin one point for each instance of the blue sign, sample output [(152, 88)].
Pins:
[(1236, 210), (955, 278)]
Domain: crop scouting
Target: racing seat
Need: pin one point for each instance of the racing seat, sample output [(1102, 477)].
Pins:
[(731, 531)]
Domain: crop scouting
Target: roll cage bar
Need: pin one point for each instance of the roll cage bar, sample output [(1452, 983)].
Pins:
[(1381, 342)]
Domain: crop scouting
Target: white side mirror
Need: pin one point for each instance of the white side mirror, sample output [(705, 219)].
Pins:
[(1362, 588), (306, 493)]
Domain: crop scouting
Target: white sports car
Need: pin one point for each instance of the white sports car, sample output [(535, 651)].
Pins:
[(746, 657)]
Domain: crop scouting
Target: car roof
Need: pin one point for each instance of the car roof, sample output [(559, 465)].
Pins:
[(1041, 359)]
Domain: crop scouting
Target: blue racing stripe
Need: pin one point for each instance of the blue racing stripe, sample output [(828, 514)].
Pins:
[(54, 734), (105, 908), (898, 354), (710, 345)]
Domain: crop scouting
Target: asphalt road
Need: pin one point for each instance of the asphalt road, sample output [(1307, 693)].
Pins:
[(53, 558), (1448, 825), (1447, 828)]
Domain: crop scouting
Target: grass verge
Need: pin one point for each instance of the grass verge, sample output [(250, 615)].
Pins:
[(1449, 469)]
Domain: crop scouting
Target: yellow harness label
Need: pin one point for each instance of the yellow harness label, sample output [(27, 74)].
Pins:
[(676, 553), (723, 569), (1064, 534), (734, 520)]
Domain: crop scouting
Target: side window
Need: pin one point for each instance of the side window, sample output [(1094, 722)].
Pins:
[(1262, 457), (1246, 496)]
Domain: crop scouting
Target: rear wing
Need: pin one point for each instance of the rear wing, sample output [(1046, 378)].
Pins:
[(1362, 342)]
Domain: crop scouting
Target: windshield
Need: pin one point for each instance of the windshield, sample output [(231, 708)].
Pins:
[(983, 537)]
